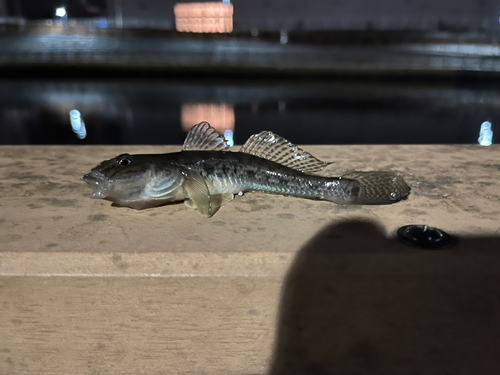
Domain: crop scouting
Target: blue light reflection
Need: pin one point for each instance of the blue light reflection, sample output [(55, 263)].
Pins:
[(228, 134), (485, 134), (102, 23), (77, 123)]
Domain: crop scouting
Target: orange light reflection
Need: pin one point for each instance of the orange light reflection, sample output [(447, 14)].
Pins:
[(220, 116)]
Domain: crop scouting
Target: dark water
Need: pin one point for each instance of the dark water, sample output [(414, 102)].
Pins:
[(305, 112)]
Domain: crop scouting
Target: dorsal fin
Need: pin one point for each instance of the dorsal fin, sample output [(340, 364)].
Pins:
[(272, 147), (203, 137)]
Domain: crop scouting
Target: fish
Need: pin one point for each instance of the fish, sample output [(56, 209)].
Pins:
[(206, 175)]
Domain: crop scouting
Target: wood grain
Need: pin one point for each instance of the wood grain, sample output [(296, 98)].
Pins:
[(268, 285)]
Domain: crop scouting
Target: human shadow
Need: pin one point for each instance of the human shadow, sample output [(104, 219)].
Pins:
[(356, 301)]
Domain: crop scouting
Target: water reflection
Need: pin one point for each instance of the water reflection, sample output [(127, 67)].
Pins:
[(219, 115), (145, 112), (77, 124), (485, 134), (228, 134)]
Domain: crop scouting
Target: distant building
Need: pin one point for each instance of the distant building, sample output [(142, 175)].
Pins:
[(423, 15), (3, 9), (274, 15)]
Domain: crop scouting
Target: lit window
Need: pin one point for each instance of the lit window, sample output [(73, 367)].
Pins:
[(203, 17)]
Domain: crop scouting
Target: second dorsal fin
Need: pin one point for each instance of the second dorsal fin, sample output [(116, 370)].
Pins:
[(203, 137), (272, 147)]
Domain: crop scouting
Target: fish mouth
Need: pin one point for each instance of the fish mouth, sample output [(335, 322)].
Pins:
[(98, 182)]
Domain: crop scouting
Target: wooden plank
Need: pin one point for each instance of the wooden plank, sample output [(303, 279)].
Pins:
[(120, 325), (268, 284), (45, 206)]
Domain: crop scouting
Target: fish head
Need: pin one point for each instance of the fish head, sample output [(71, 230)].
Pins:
[(133, 180)]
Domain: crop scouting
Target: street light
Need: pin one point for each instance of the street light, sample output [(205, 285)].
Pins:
[(61, 12)]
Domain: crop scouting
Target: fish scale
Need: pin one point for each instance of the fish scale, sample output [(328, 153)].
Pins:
[(251, 173)]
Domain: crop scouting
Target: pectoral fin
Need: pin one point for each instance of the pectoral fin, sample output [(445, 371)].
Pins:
[(197, 190)]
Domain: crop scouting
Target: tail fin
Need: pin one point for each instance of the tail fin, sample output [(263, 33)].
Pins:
[(379, 187)]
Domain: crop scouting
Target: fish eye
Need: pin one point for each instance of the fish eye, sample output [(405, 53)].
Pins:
[(125, 160)]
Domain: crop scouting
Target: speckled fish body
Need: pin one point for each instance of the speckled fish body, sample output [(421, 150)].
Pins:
[(206, 176), (235, 172)]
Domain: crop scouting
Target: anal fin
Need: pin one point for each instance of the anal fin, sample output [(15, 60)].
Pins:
[(219, 200)]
